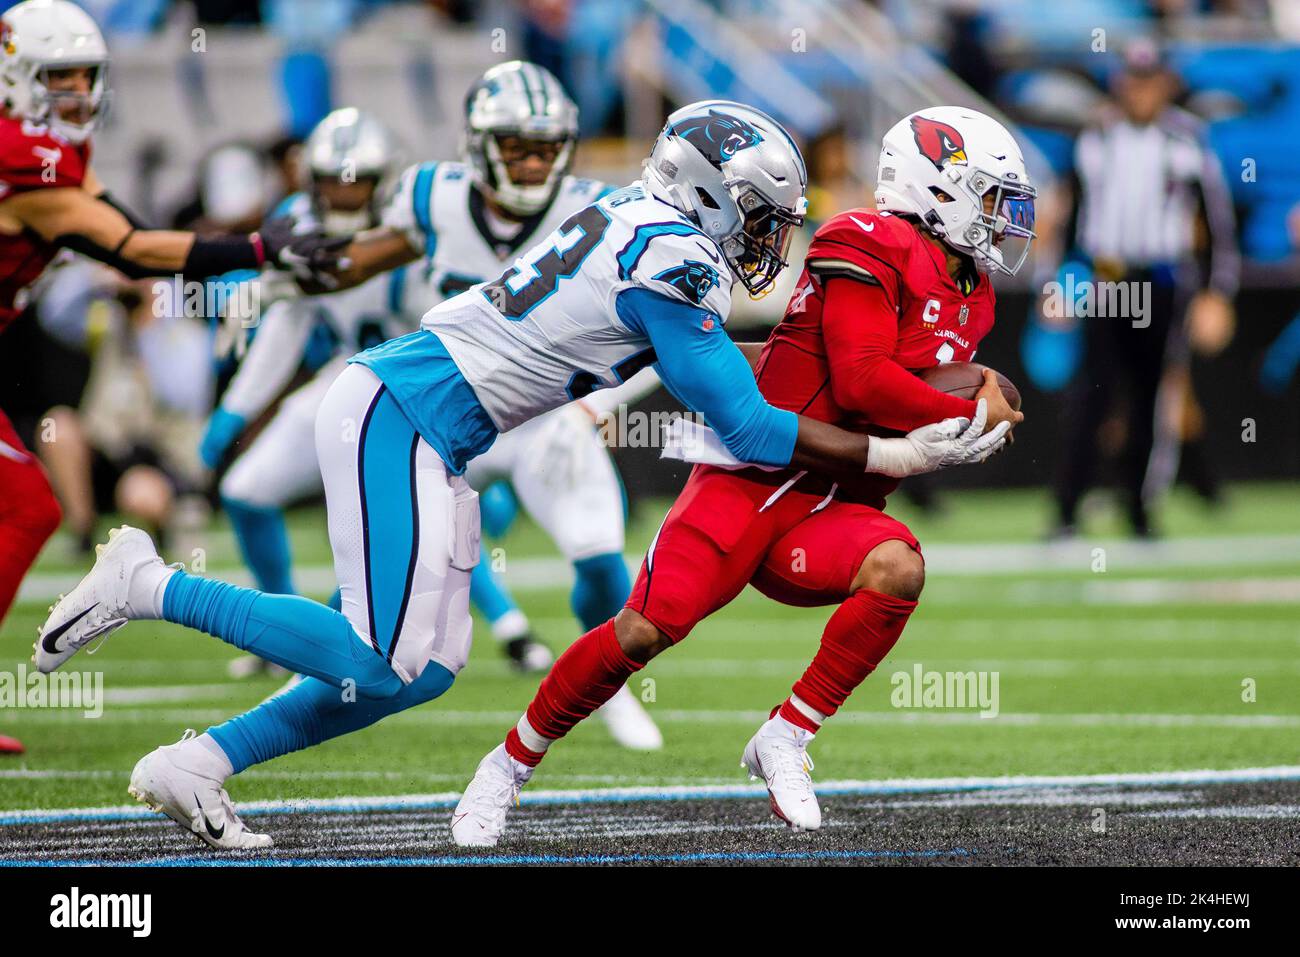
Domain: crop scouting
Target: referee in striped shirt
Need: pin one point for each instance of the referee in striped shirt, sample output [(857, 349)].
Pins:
[(1144, 178)]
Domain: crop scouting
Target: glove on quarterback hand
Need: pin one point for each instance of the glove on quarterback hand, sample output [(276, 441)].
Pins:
[(305, 251), (938, 446)]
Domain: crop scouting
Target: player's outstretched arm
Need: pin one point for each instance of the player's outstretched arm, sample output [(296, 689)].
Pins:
[(88, 222), (370, 253), (405, 228)]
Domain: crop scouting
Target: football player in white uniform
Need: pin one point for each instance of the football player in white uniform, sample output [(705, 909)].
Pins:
[(351, 161), (640, 277)]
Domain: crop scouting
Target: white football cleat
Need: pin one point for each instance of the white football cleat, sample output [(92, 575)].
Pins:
[(480, 816), (119, 587), (778, 753), (629, 722), (177, 780)]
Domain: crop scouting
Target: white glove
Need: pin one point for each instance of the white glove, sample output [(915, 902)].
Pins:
[(689, 441), (943, 444), (559, 454)]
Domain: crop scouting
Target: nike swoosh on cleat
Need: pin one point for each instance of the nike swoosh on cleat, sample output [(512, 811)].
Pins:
[(50, 640), (214, 832)]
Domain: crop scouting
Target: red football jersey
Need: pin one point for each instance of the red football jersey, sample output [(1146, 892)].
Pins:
[(936, 321), (31, 157)]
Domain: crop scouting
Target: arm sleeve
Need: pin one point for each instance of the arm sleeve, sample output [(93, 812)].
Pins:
[(700, 365), (272, 359), (860, 328), (135, 221)]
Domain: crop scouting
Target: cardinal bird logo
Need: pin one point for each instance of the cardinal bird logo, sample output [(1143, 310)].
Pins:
[(938, 142)]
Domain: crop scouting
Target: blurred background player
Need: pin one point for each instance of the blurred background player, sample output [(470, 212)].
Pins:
[(1144, 177), (351, 160)]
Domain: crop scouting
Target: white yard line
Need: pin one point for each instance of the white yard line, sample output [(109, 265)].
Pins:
[(961, 560), (701, 792), (435, 716)]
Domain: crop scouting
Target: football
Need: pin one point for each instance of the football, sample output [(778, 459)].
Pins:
[(964, 379)]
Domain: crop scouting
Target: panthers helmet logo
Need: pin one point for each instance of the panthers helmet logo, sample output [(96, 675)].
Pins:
[(692, 279), (938, 142), (719, 136)]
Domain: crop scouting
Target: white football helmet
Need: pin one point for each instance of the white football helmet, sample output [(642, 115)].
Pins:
[(38, 37), (350, 146), (939, 164), (523, 100), (737, 173)]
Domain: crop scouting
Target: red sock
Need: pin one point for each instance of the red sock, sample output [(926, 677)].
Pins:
[(857, 637), (580, 681)]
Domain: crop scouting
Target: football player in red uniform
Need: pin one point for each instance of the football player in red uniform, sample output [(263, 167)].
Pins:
[(53, 65), (884, 293)]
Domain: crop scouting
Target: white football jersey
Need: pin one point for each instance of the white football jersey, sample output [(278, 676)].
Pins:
[(440, 212), (546, 330)]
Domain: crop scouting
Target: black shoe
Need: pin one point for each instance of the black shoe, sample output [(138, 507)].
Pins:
[(528, 655)]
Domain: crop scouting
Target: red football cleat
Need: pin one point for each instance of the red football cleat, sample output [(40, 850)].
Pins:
[(10, 745)]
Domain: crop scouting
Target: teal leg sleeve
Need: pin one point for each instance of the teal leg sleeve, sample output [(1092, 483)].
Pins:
[(296, 633), (311, 712)]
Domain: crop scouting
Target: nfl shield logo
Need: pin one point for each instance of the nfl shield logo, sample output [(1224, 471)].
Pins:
[(963, 313)]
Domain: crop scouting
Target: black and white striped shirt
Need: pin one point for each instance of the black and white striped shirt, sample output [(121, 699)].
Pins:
[(1139, 191)]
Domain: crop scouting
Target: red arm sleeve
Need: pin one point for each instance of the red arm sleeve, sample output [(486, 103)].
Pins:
[(860, 327)]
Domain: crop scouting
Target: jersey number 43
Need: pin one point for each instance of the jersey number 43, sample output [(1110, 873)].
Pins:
[(522, 287)]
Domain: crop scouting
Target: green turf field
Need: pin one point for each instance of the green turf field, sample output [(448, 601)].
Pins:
[(1139, 667)]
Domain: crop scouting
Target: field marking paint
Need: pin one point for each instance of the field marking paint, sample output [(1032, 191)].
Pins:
[(952, 559), (1258, 812), (434, 716), (448, 799), (482, 859)]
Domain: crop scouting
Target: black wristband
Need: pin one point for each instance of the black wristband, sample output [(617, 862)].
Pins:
[(214, 255)]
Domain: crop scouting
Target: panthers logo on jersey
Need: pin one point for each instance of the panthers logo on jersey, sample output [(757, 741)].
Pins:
[(719, 136), (692, 279)]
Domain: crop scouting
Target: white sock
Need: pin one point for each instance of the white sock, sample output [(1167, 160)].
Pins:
[(807, 710), (529, 738), (147, 587), (209, 759), (513, 624)]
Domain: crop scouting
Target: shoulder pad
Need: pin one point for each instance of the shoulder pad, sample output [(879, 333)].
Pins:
[(877, 242), (31, 158)]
